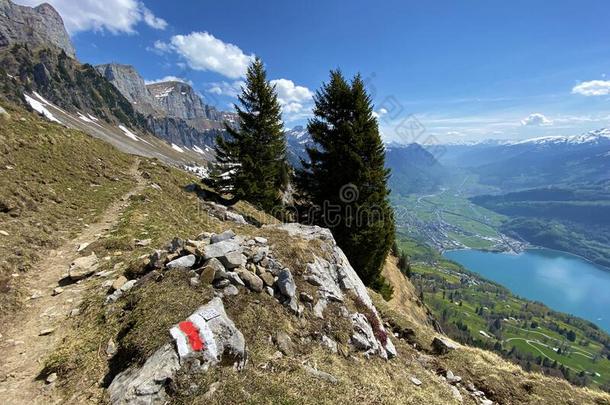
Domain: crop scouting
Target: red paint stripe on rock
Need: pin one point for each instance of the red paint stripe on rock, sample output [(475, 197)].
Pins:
[(192, 332)]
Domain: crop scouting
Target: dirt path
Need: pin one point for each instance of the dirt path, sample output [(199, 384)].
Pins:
[(23, 349)]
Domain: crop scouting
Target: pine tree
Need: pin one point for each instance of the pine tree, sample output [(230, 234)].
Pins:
[(251, 163), (346, 176)]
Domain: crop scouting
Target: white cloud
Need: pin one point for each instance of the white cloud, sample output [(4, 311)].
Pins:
[(380, 113), (229, 89), (454, 133), (115, 16), (593, 88), (203, 51), (169, 79), (295, 100), (537, 120)]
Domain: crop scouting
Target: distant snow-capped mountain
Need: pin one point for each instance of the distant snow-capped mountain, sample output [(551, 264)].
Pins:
[(592, 137)]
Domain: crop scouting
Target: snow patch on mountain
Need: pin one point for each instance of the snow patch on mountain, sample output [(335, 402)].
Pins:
[(128, 133), (39, 107), (177, 148)]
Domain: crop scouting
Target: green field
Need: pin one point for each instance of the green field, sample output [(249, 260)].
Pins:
[(484, 314), (448, 220)]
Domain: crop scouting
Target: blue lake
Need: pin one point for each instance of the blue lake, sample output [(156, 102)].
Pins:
[(562, 281)]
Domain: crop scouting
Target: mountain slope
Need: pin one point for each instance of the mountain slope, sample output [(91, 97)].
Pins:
[(288, 360), (547, 161), (414, 170), (38, 26)]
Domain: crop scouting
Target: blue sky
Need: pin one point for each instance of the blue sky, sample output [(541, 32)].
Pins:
[(446, 70)]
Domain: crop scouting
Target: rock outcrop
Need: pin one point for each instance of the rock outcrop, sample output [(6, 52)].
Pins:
[(38, 26), (129, 82), (205, 339)]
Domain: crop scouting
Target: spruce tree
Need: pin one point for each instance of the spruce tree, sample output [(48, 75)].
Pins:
[(251, 161), (346, 177)]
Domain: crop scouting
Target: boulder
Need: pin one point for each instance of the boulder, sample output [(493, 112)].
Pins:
[(232, 260), (251, 280), (118, 283), (156, 260), (363, 337), (283, 343), (318, 309), (219, 249), (226, 235), (267, 278), (442, 345), (260, 240), (185, 262), (320, 374), (329, 344), (83, 267), (234, 278), (285, 283), (222, 344), (146, 385), (207, 275), (230, 290)]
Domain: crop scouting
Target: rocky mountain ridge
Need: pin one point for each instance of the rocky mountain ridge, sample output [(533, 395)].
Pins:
[(37, 26), (174, 111)]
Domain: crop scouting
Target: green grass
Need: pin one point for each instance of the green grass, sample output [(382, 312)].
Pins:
[(440, 278), (53, 181)]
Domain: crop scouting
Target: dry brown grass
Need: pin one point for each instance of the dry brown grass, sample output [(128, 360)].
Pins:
[(53, 181)]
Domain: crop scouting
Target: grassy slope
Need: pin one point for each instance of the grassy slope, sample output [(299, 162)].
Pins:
[(53, 181), (139, 323), (442, 280)]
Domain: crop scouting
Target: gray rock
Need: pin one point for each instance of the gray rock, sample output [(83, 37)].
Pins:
[(320, 374), (37, 27), (260, 254), (143, 242), (232, 260), (194, 281), (230, 290), (318, 309), (147, 384), (157, 259), (415, 381), (305, 297), (451, 378), (57, 291), (220, 249), (183, 262), (442, 345), (267, 278), (45, 332), (118, 283), (283, 343), (251, 280), (219, 269), (226, 235), (235, 279), (209, 274), (260, 240), (130, 84), (363, 337), (390, 349), (51, 378), (269, 291), (455, 392), (222, 283), (83, 267), (285, 283), (111, 348), (329, 344)]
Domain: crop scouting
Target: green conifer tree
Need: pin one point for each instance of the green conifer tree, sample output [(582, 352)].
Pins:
[(346, 176), (251, 162)]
